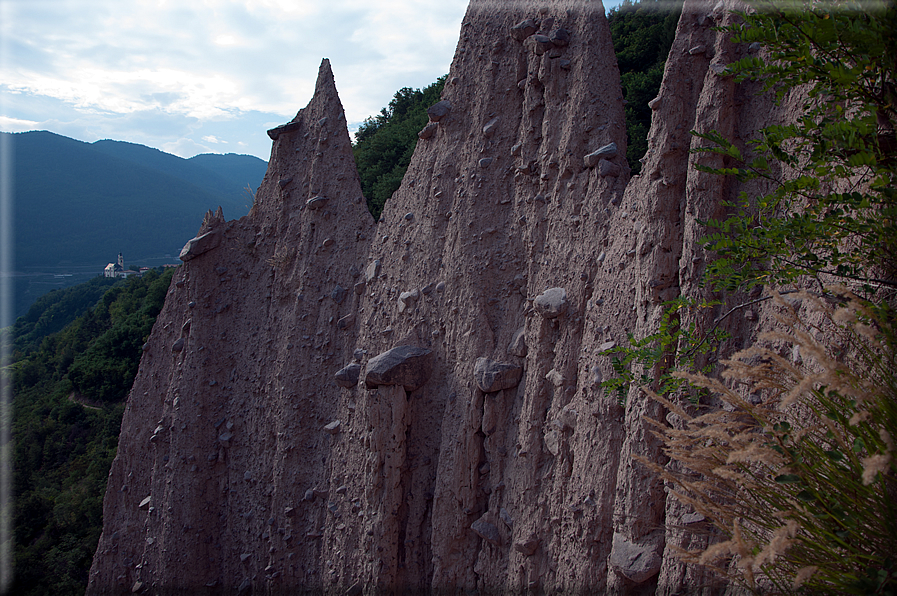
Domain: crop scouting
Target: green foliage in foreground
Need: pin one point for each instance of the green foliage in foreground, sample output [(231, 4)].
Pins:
[(832, 212), (63, 449), (802, 482), (384, 143), (642, 34)]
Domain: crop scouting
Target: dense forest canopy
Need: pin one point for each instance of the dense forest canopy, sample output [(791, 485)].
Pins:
[(70, 382), (384, 143), (642, 34)]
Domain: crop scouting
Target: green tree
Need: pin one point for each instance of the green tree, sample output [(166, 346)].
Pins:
[(832, 213), (385, 143), (642, 34), (63, 449), (804, 500)]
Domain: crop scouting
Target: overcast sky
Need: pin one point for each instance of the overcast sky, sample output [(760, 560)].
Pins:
[(210, 76)]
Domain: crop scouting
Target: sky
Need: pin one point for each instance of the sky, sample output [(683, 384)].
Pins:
[(210, 76)]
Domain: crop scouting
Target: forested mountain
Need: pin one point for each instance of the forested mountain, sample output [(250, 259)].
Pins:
[(69, 389), (642, 34), (78, 205), (239, 171), (225, 176), (53, 311)]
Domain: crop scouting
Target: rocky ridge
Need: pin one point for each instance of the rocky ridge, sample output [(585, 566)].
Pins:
[(332, 403)]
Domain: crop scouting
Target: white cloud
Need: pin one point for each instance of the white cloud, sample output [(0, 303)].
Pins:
[(16, 125), (216, 69), (220, 56), (185, 148)]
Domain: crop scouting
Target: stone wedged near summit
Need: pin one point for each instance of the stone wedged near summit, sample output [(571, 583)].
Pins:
[(275, 132), (408, 366), (199, 245)]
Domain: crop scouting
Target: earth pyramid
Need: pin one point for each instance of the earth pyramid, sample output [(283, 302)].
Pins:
[(331, 403)]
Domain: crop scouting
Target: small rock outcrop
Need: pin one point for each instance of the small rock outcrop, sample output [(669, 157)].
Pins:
[(551, 303), (494, 376), (604, 153), (407, 366), (199, 245), (348, 375)]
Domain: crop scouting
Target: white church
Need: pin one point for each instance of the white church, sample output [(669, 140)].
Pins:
[(118, 269)]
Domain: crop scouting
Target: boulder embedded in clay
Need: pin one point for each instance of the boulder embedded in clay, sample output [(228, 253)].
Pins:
[(517, 347), (487, 531), (315, 203), (199, 245), (439, 110), (428, 131), (541, 44), (523, 29), (494, 376), (608, 151), (346, 321), (407, 366), (608, 168), (406, 299), (551, 303), (636, 562), (527, 547), (553, 442), (338, 294), (560, 37), (372, 271), (348, 375)]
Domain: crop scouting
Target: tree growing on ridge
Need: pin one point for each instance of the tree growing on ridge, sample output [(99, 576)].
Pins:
[(385, 143)]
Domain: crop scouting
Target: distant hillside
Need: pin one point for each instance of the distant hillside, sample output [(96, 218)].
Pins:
[(75, 356), (222, 175), (79, 204), (238, 170)]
